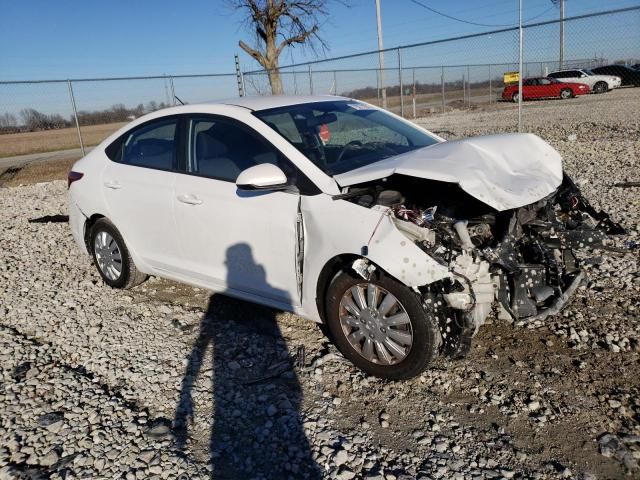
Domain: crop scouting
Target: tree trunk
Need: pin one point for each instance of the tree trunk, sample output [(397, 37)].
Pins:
[(275, 81)]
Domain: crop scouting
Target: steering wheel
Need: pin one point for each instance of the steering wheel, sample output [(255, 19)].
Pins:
[(348, 146)]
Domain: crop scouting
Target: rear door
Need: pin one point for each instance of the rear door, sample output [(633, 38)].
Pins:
[(138, 189)]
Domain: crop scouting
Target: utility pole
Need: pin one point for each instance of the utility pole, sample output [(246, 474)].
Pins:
[(520, 66), (561, 34), (381, 55)]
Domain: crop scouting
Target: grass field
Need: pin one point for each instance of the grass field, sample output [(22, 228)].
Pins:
[(53, 140)]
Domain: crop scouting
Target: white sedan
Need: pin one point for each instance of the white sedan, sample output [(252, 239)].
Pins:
[(401, 243), (597, 83)]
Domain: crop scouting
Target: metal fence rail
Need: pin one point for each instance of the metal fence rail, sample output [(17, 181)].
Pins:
[(455, 74)]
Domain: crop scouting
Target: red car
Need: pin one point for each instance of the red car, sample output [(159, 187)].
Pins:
[(544, 87)]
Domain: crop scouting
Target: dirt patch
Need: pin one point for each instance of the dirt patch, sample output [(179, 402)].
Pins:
[(53, 140), (37, 172)]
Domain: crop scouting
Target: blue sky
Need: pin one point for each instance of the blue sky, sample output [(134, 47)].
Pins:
[(74, 39)]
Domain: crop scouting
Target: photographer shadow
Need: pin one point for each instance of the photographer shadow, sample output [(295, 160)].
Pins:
[(256, 425)]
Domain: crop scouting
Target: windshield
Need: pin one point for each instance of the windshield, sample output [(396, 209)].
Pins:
[(339, 136), (588, 72)]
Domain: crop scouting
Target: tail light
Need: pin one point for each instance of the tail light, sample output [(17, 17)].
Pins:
[(73, 177)]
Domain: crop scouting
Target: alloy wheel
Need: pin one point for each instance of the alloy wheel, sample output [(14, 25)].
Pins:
[(376, 324), (108, 255)]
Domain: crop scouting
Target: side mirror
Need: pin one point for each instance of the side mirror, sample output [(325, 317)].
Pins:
[(265, 176)]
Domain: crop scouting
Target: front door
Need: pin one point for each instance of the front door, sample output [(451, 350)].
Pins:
[(239, 241)]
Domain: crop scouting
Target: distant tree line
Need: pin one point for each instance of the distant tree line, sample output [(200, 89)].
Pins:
[(32, 120), (420, 88)]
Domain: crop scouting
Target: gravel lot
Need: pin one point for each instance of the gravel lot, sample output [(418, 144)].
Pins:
[(167, 381)]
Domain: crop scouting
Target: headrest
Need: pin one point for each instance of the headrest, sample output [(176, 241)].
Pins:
[(209, 147)]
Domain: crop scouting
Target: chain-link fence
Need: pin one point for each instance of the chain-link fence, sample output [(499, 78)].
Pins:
[(453, 76), (52, 115), (465, 72)]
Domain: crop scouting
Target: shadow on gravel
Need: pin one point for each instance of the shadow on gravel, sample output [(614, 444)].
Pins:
[(50, 219), (256, 429)]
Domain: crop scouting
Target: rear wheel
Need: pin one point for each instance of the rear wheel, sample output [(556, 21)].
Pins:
[(600, 87), (566, 93), (515, 98), (112, 258), (381, 326)]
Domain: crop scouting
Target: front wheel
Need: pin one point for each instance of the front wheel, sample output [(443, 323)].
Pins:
[(515, 98), (600, 87), (112, 258), (381, 326), (566, 93)]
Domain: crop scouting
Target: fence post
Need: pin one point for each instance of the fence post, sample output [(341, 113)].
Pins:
[(295, 82), (335, 83), (413, 75), (468, 87), (75, 116), (400, 80), (490, 90), (173, 91), (239, 78), (442, 84), (310, 81), (464, 91)]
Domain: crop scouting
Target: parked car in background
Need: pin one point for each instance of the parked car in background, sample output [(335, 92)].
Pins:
[(597, 83), (544, 87), (628, 76), (401, 243)]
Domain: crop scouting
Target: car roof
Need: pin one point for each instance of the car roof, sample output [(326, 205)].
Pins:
[(568, 70), (274, 101)]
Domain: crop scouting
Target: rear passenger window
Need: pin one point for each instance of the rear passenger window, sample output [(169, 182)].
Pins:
[(153, 146)]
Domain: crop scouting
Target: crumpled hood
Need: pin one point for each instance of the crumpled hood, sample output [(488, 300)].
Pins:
[(504, 171)]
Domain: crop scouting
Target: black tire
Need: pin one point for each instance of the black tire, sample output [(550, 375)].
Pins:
[(600, 87), (129, 276), (424, 327), (566, 93), (514, 97)]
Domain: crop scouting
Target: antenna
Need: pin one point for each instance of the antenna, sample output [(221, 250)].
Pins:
[(178, 98)]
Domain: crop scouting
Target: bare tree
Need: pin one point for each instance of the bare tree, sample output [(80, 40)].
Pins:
[(277, 25)]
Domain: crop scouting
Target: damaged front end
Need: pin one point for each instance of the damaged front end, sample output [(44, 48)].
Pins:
[(518, 261)]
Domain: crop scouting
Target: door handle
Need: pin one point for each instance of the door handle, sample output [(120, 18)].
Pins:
[(112, 184), (189, 199)]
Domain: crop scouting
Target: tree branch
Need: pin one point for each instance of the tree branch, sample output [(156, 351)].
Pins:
[(256, 55), (300, 38)]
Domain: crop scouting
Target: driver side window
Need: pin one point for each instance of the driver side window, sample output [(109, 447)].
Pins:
[(220, 148)]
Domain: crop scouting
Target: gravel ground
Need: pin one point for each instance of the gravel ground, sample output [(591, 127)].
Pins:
[(167, 381)]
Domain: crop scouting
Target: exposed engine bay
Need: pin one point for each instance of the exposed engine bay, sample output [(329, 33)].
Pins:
[(520, 261)]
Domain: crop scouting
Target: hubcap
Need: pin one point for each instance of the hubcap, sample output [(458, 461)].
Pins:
[(108, 255), (376, 324)]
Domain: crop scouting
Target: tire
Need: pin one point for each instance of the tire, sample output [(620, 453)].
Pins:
[(566, 93), (514, 97), (601, 87), (411, 320), (112, 258)]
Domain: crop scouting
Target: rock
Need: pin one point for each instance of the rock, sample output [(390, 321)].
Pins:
[(49, 459), (533, 406)]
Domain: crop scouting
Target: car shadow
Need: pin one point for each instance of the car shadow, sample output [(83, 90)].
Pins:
[(50, 219), (255, 429)]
